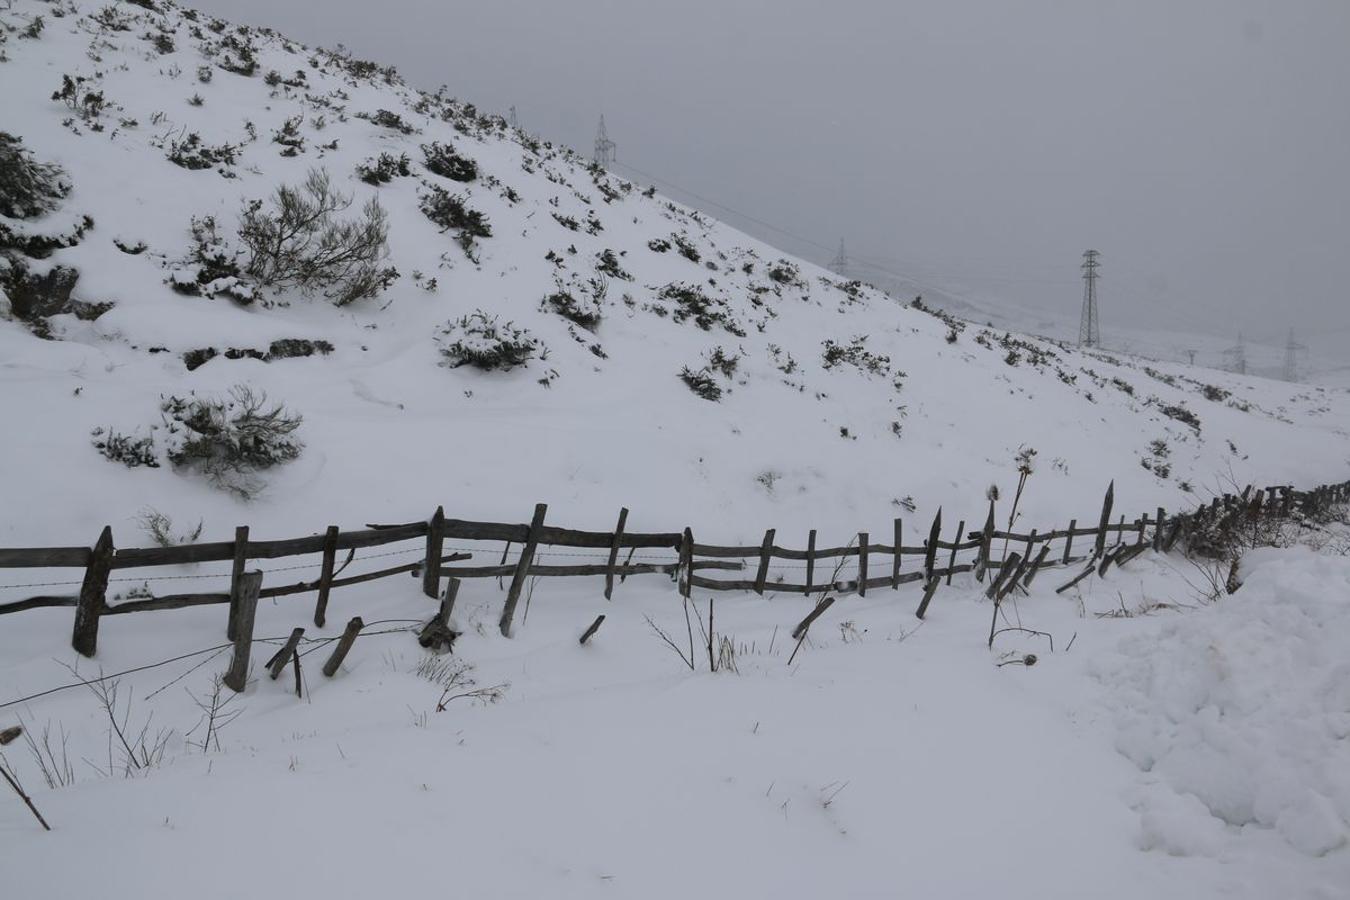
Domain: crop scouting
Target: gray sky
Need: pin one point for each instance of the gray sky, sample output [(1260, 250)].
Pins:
[(1201, 145)]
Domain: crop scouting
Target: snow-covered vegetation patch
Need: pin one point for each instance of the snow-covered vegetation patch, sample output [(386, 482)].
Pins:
[(484, 342)]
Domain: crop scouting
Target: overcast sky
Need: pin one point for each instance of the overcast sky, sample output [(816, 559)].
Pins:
[(1201, 145)]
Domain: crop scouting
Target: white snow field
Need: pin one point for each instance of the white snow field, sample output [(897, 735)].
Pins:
[(1195, 749)]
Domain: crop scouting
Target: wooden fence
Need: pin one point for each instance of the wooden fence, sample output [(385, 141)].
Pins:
[(1014, 563)]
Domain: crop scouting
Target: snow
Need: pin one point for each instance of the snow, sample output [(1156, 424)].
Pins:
[(1191, 748)]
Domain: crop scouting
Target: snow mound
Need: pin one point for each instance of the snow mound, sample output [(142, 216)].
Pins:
[(1244, 716)]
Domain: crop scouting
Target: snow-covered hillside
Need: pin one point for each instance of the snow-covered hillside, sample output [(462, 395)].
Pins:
[(911, 410), (1172, 741)]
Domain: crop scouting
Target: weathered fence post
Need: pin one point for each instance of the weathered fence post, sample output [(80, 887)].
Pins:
[(590, 632), (686, 567), (895, 565), (236, 578), (243, 609), (431, 567), (277, 664), (437, 633), (326, 574), (522, 568), (929, 590), (1158, 532), (344, 645), (765, 552), (1036, 565), (614, 551), (93, 595), (1068, 543), (951, 560), (986, 539), (810, 561), (1105, 520), (862, 563), (930, 556)]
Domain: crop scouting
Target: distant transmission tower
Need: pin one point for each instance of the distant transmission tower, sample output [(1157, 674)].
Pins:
[(1291, 352), (1089, 335), (839, 265), (604, 148), (512, 119), (1237, 356), (1191, 355)]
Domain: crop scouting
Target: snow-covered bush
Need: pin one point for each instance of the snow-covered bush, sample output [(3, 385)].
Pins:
[(481, 341), (28, 188), (441, 159), (691, 303), (383, 169), (580, 304), (130, 450), (701, 383), (607, 264), (192, 153), (451, 213), (301, 243), (854, 354), (229, 438)]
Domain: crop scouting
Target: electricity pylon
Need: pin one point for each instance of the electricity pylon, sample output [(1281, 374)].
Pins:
[(839, 265), (1291, 352), (1237, 356), (605, 149), (1089, 334)]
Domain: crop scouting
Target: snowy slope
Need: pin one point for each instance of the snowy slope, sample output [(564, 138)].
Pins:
[(390, 432), (1167, 746)]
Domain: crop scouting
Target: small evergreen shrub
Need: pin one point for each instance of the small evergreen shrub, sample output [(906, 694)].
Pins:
[(855, 354), (701, 383), (608, 264), (686, 247), (481, 341), (28, 188), (229, 438), (452, 214), (383, 169), (692, 303), (130, 450), (1181, 414), (584, 310), (191, 153), (441, 159)]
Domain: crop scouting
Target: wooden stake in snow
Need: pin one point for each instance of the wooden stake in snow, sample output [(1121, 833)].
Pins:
[(6, 736), (810, 560), (344, 645), (765, 552), (326, 575), (862, 563), (614, 553), (431, 566), (799, 633), (93, 595), (237, 579), (590, 632), (1106, 519), (522, 568), (437, 634), (243, 608), (929, 590), (277, 664)]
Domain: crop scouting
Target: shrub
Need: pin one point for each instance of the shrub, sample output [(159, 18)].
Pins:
[(608, 264), (783, 272), (300, 243), (228, 438), (386, 119), (383, 169), (692, 303), (450, 213), (584, 310), (441, 159), (658, 245), (1215, 393), (686, 247), (75, 94), (481, 341), (28, 188), (131, 451), (191, 153), (1181, 414), (701, 383), (855, 354), (289, 137), (719, 361)]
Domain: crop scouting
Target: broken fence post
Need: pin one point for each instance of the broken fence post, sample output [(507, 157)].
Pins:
[(437, 634), (590, 632), (431, 566), (614, 552), (93, 595), (243, 609), (277, 664), (522, 568), (326, 575), (344, 645)]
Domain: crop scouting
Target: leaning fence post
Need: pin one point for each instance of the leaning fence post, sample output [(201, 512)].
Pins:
[(930, 557), (929, 590), (243, 609), (326, 574), (765, 552), (344, 645), (277, 664), (431, 567), (236, 579), (522, 568), (1068, 542), (93, 595), (614, 552), (1106, 519)]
